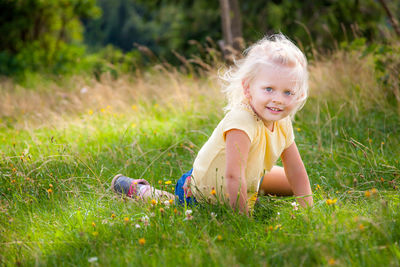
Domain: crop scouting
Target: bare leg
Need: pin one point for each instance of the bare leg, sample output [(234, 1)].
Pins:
[(150, 192), (276, 183)]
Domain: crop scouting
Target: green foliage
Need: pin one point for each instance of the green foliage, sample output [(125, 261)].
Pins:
[(42, 35)]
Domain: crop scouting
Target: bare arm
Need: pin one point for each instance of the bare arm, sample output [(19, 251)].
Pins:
[(297, 175), (237, 150)]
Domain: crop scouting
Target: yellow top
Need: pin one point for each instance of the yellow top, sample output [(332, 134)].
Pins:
[(265, 149)]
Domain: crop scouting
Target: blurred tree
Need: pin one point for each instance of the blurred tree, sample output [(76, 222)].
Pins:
[(36, 33)]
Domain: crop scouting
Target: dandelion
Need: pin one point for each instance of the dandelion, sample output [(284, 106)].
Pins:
[(219, 237), (134, 107), (169, 154), (367, 193), (93, 224), (331, 261), (133, 125), (50, 185), (331, 201), (374, 191), (142, 241), (213, 192), (382, 143), (278, 226), (317, 187), (175, 211), (298, 129), (49, 191), (14, 170), (102, 110), (295, 205), (370, 140), (95, 233), (361, 226), (153, 202), (90, 112), (171, 201), (126, 219), (159, 182), (162, 210), (168, 182), (113, 215), (13, 181)]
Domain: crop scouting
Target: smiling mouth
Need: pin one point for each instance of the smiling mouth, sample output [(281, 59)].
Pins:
[(274, 109)]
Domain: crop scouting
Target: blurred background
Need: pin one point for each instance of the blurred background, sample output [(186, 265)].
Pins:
[(64, 37)]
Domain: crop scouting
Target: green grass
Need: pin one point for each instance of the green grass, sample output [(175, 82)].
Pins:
[(346, 154)]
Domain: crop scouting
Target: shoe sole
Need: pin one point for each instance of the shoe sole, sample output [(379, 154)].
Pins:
[(113, 183)]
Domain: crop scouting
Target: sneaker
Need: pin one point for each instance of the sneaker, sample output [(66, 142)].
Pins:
[(126, 186)]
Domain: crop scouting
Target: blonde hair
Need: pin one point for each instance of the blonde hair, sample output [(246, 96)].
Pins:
[(275, 50)]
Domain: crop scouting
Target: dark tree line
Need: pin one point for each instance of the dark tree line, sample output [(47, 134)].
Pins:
[(36, 34)]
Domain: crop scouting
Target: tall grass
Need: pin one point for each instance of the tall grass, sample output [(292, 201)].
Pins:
[(63, 142)]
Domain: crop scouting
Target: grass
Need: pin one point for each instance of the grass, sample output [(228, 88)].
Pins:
[(59, 151)]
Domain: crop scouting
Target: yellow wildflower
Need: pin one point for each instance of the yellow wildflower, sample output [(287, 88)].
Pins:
[(171, 201), (162, 210), (133, 125), (113, 215), (159, 182), (153, 201), (331, 261), (175, 211), (219, 237), (49, 191), (298, 129), (134, 107), (331, 201), (168, 182), (50, 185), (142, 241), (213, 192), (126, 219), (102, 110), (90, 112), (374, 191), (93, 224), (361, 226), (367, 193), (95, 233)]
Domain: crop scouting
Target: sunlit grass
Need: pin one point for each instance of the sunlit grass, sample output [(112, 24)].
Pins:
[(60, 149)]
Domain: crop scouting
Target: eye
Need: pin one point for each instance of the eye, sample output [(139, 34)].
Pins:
[(268, 89), (288, 93)]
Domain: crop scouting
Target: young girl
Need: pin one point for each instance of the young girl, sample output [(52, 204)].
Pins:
[(265, 89)]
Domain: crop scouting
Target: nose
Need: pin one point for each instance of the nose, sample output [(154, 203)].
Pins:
[(278, 99)]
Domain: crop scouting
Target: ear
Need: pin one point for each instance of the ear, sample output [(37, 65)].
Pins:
[(246, 88)]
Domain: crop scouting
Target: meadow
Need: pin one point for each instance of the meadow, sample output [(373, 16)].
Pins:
[(63, 140)]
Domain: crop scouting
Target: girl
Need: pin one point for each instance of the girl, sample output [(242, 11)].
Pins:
[(265, 89)]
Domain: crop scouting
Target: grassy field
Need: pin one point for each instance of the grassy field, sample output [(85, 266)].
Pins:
[(62, 142)]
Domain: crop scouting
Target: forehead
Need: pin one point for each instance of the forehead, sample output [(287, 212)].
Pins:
[(277, 75)]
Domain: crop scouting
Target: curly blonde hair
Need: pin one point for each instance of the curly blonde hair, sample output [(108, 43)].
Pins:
[(275, 50)]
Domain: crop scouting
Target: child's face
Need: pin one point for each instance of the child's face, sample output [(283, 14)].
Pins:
[(271, 93)]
